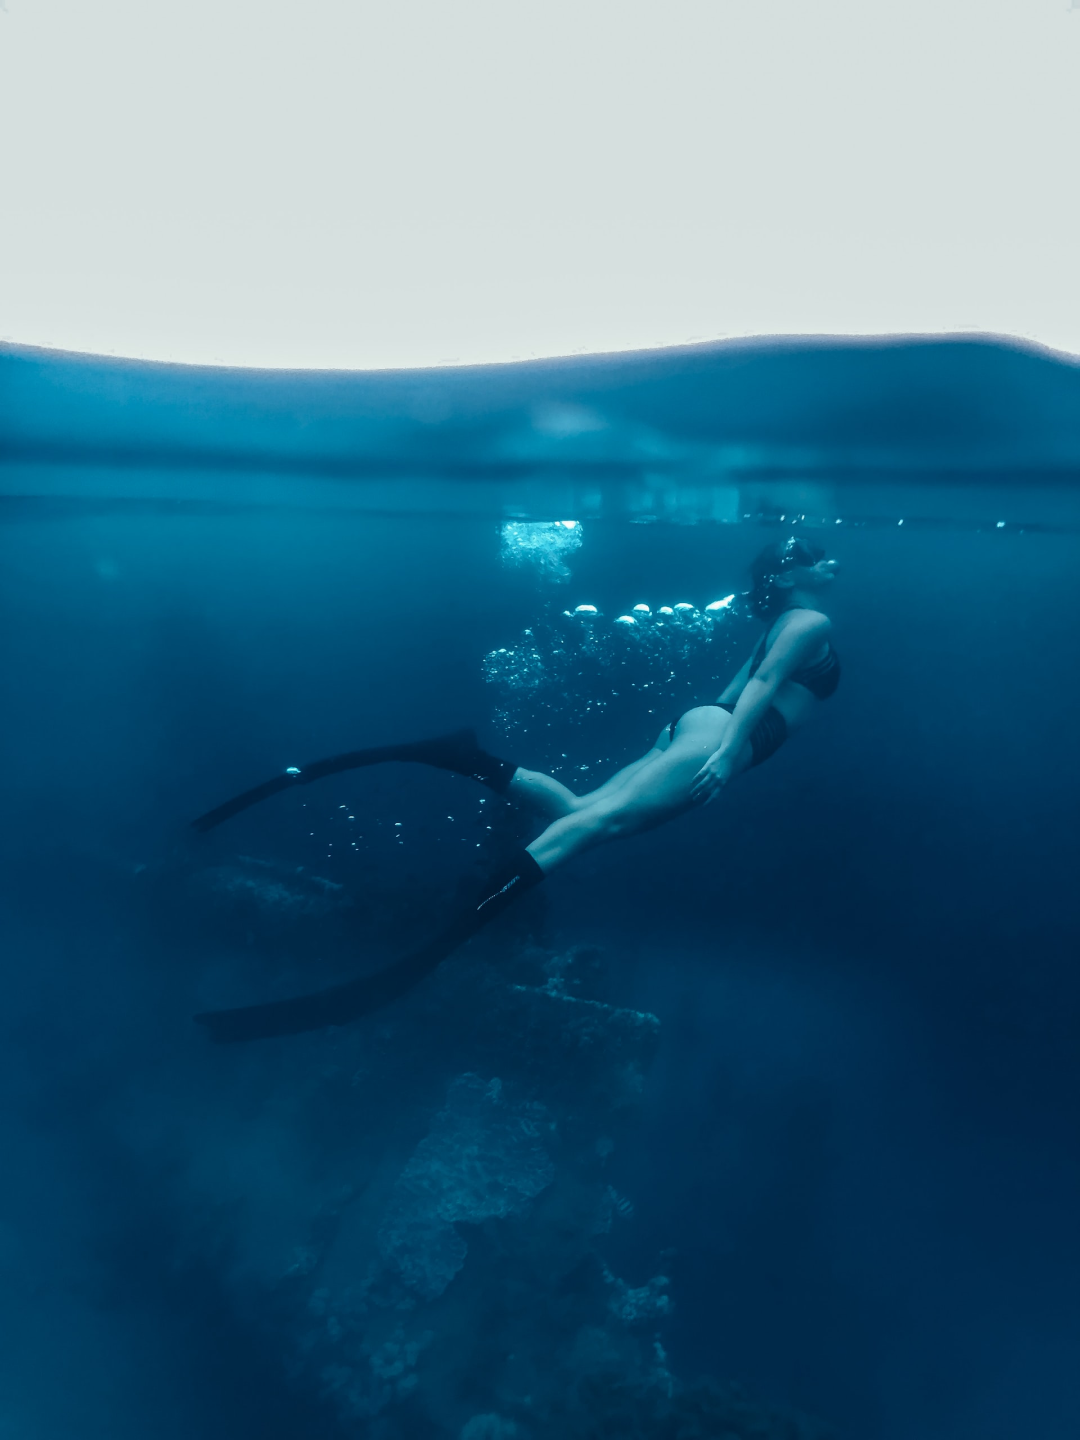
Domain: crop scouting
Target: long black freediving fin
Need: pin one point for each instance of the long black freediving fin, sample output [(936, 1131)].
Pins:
[(342, 1003), (458, 752), (335, 1006)]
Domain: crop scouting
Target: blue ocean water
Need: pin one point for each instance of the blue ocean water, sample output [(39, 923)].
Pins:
[(761, 1124)]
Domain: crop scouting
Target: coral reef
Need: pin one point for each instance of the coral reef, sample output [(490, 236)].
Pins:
[(444, 1274), (482, 1160)]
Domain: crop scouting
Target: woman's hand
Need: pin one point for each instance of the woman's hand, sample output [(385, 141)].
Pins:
[(711, 778)]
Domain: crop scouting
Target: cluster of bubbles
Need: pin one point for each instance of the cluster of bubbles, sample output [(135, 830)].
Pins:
[(546, 545), (575, 667), (345, 837)]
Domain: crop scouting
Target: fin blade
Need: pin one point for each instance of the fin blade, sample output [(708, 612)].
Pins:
[(464, 740), (337, 1006)]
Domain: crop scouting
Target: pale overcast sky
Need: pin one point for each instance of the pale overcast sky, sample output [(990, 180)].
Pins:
[(343, 183)]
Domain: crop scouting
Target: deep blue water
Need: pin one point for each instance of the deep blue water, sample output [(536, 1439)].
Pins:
[(855, 1150)]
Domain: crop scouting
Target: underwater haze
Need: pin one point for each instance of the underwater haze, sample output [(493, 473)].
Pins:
[(758, 1126)]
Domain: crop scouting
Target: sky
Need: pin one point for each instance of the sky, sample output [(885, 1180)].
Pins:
[(345, 184)]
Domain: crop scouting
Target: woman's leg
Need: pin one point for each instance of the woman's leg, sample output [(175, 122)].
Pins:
[(550, 797), (657, 792), (542, 793), (620, 778)]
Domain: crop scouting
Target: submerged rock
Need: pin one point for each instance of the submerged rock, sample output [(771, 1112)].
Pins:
[(426, 1252), (490, 1427), (274, 891), (484, 1159)]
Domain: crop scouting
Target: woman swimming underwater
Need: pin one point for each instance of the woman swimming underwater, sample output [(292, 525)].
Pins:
[(792, 670)]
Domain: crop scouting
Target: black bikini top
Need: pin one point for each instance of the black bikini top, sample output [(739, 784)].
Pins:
[(821, 678)]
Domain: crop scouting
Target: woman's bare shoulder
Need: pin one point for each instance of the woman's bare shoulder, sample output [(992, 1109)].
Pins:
[(803, 622)]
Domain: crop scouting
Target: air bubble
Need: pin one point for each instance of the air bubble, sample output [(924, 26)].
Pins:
[(562, 669), (546, 545)]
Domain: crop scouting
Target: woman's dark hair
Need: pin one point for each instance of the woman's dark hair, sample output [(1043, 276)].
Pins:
[(765, 597)]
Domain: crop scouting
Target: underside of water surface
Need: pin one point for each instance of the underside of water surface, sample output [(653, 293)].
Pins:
[(760, 1124)]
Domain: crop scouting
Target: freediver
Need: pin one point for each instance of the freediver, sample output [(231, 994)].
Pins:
[(791, 671)]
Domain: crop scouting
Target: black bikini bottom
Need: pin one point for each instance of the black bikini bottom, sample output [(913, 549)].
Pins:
[(766, 737)]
